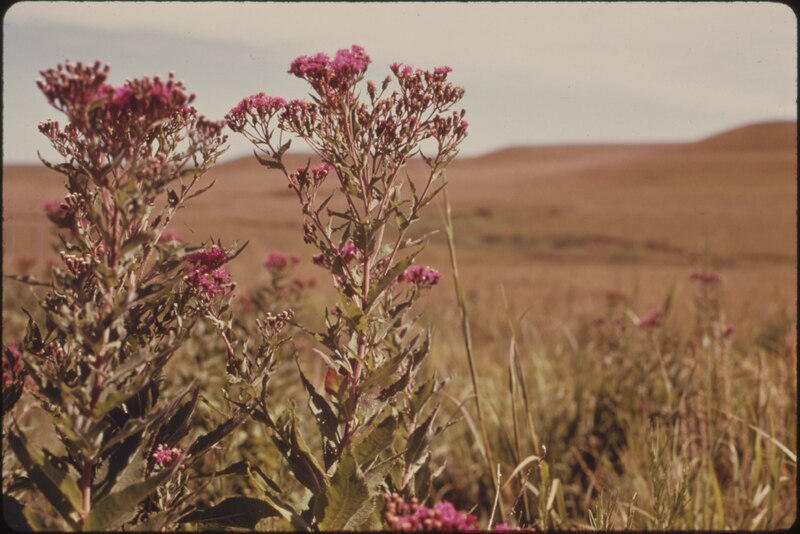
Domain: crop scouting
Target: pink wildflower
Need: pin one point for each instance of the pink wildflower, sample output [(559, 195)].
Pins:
[(442, 516), (321, 171), (652, 319), (728, 330), (705, 278), (166, 457), (122, 96), (208, 277), (279, 260), (350, 63), (420, 276), (309, 66), (318, 259), (255, 106), (348, 251)]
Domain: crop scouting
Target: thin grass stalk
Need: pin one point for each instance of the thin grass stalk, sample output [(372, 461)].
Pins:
[(462, 305)]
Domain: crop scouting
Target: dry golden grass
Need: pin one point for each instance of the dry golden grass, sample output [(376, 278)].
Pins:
[(557, 226)]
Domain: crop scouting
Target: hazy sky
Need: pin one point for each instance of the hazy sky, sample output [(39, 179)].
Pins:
[(534, 73)]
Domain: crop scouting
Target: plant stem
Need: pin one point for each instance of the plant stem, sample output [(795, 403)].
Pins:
[(86, 488), (462, 304)]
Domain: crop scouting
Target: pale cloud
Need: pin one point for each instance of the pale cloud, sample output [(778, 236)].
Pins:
[(713, 62)]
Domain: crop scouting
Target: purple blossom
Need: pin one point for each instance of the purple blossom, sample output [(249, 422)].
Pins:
[(350, 63), (279, 260), (705, 278), (420, 276), (164, 457), (348, 251), (442, 516), (650, 320), (207, 276), (255, 106), (309, 66)]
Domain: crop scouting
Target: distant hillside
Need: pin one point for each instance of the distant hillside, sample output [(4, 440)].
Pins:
[(775, 135)]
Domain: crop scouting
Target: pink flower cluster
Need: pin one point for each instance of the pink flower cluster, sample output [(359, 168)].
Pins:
[(325, 74), (705, 278), (107, 121), (258, 106), (442, 516), (420, 276), (317, 174), (348, 252), (165, 457), (279, 261), (299, 116), (207, 276)]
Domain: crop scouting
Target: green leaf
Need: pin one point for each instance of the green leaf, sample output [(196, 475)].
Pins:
[(114, 510), (419, 439), (206, 441), (326, 419), (345, 504), (202, 190), (296, 452), (178, 425), (422, 479), (57, 486), (134, 242), (375, 441), (238, 512), (33, 337), (125, 466), (376, 290), (267, 162)]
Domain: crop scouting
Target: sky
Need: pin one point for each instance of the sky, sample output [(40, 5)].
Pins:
[(535, 73)]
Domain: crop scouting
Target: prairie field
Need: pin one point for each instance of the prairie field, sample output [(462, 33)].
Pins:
[(562, 251)]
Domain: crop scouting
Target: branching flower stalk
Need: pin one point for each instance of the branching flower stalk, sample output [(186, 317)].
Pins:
[(364, 135), (114, 317)]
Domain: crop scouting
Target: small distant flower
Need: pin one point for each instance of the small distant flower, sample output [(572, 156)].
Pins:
[(705, 278), (164, 457), (652, 319), (728, 330), (318, 259), (279, 261), (420, 276)]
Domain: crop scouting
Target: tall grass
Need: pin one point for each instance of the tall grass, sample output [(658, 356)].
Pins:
[(598, 423)]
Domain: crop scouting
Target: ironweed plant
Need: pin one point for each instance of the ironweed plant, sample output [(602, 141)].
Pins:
[(120, 304), (371, 414)]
